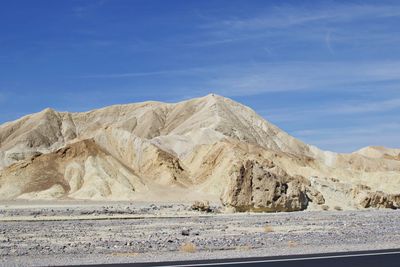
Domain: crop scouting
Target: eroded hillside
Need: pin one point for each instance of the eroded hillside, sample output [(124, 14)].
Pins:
[(206, 148)]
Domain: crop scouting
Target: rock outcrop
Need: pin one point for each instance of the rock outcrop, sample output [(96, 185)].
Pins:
[(367, 198), (265, 187)]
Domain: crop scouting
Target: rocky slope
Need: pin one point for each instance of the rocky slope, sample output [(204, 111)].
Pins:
[(206, 148)]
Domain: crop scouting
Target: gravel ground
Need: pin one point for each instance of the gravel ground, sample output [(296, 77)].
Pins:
[(124, 232)]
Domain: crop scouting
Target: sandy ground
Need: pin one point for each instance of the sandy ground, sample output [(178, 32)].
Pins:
[(73, 232)]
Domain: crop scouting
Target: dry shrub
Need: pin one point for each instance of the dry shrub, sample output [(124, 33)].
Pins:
[(125, 254), (268, 229), (188, 247), (243, 248), (325, 207), (338, 208), (292, 244)]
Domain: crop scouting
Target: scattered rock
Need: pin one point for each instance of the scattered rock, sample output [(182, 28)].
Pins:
[(201, 206), (185, 232), (196, 233)]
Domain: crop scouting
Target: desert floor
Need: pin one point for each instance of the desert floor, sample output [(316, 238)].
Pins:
[(73, 232)]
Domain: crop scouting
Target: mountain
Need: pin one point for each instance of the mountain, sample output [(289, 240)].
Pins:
[(205, 148)]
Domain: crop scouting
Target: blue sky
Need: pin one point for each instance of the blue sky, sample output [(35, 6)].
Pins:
[(327, 72)]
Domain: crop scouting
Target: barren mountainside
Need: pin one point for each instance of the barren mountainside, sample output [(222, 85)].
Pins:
[(209, 148)]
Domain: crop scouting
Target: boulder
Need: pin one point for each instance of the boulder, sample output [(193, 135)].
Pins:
[(315, 196), (201, 206), (258, 186)]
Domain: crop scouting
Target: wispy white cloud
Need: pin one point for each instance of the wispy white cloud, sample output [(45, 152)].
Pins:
[(301, 22), (291, 76), (358, 123), (130, 74), (258, 78), (373, 106), (349, 139), (378, 128), (225, 37), (283, 16), (328, 42), (334, 109), (86, 7), (147, 73)]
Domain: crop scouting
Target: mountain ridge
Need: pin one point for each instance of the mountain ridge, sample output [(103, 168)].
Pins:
[(192, 147)]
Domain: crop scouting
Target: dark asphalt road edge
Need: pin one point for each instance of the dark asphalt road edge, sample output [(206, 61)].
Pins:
[(227, 261)]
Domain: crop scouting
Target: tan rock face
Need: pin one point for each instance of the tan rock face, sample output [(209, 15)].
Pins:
[(263, 187), (378, 200), (375, 199)]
